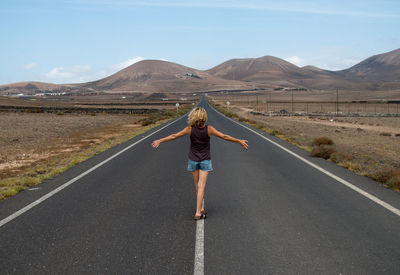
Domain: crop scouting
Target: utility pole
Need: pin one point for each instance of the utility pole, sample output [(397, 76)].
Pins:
[(292, 102), (270, 103), (337, 101), (257, 105)]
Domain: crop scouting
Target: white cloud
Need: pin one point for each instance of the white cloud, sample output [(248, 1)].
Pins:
[(76, 73), (85, 73), (295, 60), (61, 72), (126, 63), (30, 66)]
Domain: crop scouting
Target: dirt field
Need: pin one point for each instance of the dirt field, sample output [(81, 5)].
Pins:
[(42, 137), (36, 146), (369, 145), (34, 136)]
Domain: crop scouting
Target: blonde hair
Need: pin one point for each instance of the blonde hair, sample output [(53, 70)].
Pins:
[(197, 117)]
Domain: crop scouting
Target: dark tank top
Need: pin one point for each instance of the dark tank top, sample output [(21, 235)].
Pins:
[(199, 144)]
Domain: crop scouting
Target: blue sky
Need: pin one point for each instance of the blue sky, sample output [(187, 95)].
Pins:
[(82, 40)]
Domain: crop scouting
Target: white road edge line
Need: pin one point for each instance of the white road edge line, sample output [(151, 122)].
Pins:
[(61, 187), (199, 248), (348, 184)]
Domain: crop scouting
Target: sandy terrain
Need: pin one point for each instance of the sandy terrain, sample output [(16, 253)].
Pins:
[(372, 144), (35, 144), (28, 138)]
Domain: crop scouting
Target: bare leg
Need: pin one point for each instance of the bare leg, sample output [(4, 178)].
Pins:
[(195, 175), (201, 186)]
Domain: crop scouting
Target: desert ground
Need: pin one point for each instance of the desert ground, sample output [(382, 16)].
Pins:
[(35, 145), (367, 145)]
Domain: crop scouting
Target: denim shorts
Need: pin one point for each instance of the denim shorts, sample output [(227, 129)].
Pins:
[(204, 165)]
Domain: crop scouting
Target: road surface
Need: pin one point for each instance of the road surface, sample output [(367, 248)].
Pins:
[(269, 212)]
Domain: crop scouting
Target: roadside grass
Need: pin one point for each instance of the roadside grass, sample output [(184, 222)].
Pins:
[(154, 118), (324, 147), (388, 177), (49, 168)]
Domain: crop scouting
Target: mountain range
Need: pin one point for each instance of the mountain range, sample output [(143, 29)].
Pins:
[(378, 72)]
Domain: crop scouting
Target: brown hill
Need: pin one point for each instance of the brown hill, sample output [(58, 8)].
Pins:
[(381, 67), (276, 72), (375, 73), (32, 85), (162, 76), (263, 69)]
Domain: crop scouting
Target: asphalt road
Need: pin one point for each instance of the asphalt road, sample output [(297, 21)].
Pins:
[(268, 213)]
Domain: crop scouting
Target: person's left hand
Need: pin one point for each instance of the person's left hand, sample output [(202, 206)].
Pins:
[(244, 144), (155, 143)]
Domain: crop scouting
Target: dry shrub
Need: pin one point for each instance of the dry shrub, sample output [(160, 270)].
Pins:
[(169, 113), (354, 167), (385, 175), (322, 141), (156, 117), (41, 170), (259, 125), (151, 119), (394, 183), (147, 121), (338, 157), (276, 133), (230, 114), (397, 135), (323, 147), (322, 151), (385, 134), (389, 177)]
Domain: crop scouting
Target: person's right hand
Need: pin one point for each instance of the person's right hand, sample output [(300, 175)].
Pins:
[(243, 143), (156, 143)]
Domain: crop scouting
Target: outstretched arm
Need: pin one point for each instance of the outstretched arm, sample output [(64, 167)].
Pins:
[(214, 132), (182, 133)]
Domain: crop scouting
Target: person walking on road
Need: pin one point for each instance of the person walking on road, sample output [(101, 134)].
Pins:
[(199, 163)]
